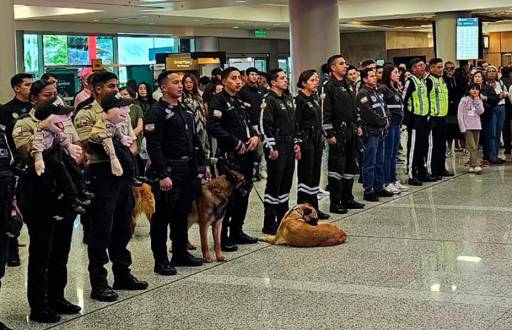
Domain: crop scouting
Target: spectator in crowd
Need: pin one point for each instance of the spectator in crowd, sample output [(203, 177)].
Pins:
[(192, 100), (145, 96), (496, 116)]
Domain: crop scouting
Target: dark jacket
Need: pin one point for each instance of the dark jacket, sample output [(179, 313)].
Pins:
[(228, 121), (170, 136), (308, 113), (252, 97), (9, 114), (278, 120), (373, 110), (339, 105), (394, 103)]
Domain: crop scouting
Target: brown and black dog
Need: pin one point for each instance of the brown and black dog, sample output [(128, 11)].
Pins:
[(300, 227), (209, 209), (144, 204)]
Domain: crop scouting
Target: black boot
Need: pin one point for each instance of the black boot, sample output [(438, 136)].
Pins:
[(104, 293), (62, 306), (129, 282), (183, 258), (44, 314), (226, 244)]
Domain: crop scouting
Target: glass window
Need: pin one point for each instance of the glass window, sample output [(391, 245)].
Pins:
[(78, 50), (31, 56), (261, 64), (136, 50), (105, 49), (55, 50)]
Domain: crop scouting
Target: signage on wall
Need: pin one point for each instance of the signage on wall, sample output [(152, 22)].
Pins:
[(181, 63), (468, 38), (260, 34), (97, 64)]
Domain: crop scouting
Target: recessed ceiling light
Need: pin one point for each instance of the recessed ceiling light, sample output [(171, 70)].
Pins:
[(236, 27), (151, 23), (240, 1)]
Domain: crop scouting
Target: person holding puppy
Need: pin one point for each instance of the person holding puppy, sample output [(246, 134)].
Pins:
[(176, 154), (278, 127)]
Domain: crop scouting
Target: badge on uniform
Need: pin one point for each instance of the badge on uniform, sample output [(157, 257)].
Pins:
[(374, 99), (20, 132), (149, 128), (289, 103), (364, 100), (82, 123), (217, 114), (397, 98), (15, 115), (310, 104), (247, 104)]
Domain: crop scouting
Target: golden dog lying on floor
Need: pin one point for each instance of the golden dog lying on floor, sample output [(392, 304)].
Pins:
[(209, 209), (144, 204), (300, 227)]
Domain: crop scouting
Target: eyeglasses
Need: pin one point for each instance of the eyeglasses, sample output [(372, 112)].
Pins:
[(450, 68)]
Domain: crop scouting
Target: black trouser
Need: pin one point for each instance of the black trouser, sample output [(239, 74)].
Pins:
[(417, 146), (50, 240), (239, 199), (309, 168), (127, 160), (342, 165), (58, 172), (172, 210), (75, 172), (437, 154), (109, 225), (279, 182), (7, 184), (507, 129)]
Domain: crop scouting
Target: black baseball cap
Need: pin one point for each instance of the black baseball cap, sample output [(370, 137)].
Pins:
[(114, 100), (53, 106)]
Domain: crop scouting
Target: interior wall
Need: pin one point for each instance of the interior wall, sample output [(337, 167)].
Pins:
[(359, 46), (275, 48), (500, 48)]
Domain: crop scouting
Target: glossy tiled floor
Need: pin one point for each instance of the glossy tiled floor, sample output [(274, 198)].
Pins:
[(439, 256)]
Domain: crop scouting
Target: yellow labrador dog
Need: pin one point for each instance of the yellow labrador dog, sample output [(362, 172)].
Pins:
[(300, 227), (209, 209)]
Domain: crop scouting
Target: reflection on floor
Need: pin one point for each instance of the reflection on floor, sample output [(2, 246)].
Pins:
[(438, 256)]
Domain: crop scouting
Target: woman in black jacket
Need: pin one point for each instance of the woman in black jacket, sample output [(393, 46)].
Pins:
[(308, 115)]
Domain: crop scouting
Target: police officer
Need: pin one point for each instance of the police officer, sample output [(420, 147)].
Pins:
[(309, 121), (229, 123), (417, 104), (175, 152), (373, 113), (252, 96), (9, 113), (49, 230), (109, 215), (439, 103), (340, 124), (278, 128), (7, 187)]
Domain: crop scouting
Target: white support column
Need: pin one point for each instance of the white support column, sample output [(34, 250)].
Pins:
[(7, 49)]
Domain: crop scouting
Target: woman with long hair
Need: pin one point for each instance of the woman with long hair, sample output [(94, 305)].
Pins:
[(392, 95), (309, 122), (192, 99), (145, 96)]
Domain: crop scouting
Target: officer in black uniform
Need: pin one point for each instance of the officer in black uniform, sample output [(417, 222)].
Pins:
[(309, 120), (278, 128), (229, 123), (252, 95), (9, 113), (341, 126), (175, 152), (7, 187)]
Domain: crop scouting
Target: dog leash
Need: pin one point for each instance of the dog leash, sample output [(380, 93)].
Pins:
[(259, 196)]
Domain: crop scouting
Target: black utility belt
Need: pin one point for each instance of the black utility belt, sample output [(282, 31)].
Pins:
[(344, 124), (185, 160), (284, 139)]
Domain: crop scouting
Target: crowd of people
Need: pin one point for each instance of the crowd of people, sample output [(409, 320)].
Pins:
[(58, 161)]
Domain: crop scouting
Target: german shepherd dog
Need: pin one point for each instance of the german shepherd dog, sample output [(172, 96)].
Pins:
[(300, 227), (209, 209)]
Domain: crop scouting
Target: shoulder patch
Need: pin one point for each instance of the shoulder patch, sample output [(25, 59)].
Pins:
[(83, 123), (217, 114), (149, 127), (364, 99)]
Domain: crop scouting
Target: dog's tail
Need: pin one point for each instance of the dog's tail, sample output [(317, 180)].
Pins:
[(269, 239)]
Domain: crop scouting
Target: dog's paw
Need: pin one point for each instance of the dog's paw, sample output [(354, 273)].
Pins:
[(207, 259), (221, 258)]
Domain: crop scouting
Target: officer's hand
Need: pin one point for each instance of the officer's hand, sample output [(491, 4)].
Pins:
[(241, 149), (165, 184), (117, 169), (39, 167), (75, 152), (331, 140), (252, 143), (387, 124), (126, 140), (207, 174), (359, 131), (298, 153), (273, 154)]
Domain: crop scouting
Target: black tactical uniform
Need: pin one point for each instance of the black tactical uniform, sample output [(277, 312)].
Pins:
[(309, 121), (175, 152), (278, 127), (7, 184), (229, 123), (9, 113), (340, 117)]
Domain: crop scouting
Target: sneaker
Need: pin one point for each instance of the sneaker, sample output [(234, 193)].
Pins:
[(478, 170), (401, 187), (471, 170), (392, 189)]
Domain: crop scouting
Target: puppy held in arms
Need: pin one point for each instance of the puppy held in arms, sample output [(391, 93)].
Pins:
[(144, 204), (300, 227), (209, 209)]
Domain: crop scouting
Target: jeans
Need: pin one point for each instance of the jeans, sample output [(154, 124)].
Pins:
[(373, 164), (494, 126), (391, 145)]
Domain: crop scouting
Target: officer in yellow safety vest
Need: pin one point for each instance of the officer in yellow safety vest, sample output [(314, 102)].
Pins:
[(438, 96), (417, 112)]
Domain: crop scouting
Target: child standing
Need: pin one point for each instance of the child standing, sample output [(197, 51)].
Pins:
[(471, 108)]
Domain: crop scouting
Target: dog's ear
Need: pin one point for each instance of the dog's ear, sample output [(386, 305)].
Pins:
[(307, 210)]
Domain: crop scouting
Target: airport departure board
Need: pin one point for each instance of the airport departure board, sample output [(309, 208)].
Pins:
[(468, 38)]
